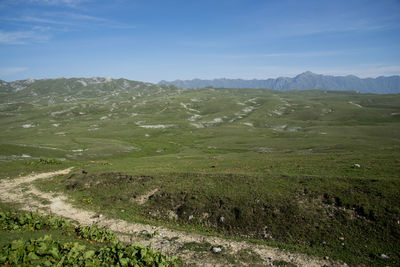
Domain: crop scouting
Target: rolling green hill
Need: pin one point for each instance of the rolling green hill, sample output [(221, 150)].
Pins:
[(314, 171)]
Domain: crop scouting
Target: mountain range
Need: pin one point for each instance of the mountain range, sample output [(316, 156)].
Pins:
[(303, 81)]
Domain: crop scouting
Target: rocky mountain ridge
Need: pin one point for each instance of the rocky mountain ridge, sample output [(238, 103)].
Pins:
[(303, 81)]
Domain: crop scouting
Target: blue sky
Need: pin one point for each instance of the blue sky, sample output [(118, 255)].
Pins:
[(153, 40)]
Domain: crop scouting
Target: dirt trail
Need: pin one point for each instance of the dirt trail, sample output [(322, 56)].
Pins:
[(20, 190)]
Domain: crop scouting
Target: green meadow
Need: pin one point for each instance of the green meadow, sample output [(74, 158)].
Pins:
[(312, 171)]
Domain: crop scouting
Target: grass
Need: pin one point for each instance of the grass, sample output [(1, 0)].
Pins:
[(288, 180)]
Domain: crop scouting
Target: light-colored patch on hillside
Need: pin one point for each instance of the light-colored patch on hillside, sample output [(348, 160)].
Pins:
[(197, 125), (280, 109), (195, 117), (157, 126), (61, 112), (281, 128), (250, 124), (185, 106), (39, 146), (355, 104), (28, 125), (143, 198), (262, 149), (213, 122), (82, 82)]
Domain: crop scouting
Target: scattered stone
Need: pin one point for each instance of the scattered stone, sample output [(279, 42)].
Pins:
[(28, 126), (326, 258), (205, 216), (172, 215), (384, 256), (324, 243), (341, 238), (356, 165), (221, 219), (190, 217), (216, 249)]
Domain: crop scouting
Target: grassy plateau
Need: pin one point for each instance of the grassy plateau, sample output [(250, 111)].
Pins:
[(316, 172)]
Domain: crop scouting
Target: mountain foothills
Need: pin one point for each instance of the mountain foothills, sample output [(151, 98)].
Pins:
[(311, 171), (304, 81)]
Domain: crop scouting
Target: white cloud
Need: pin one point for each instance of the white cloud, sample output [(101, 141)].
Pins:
[(364, 71), (59, 2), (12, 70), (289, 54), (22, 37), (69, 19)]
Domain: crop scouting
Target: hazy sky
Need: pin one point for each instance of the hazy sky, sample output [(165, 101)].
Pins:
[(151, 40)]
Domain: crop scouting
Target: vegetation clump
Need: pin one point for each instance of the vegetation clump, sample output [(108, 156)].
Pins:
[(102, 247), (17, 221), (95, 233), (47, 252), (49, 161)]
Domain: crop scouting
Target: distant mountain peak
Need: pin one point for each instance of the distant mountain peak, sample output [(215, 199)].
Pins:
[(307, 73)]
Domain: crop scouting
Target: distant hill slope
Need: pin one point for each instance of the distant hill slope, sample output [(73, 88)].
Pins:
[(63, 90), (304, 81)]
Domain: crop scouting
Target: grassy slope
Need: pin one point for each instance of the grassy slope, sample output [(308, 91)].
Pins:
[(276, 165)]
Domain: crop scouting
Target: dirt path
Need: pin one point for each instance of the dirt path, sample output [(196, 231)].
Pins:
[(20, 190)]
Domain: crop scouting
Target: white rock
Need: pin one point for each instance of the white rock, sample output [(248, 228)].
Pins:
[(216, 249), (28, 126), (384, 256)]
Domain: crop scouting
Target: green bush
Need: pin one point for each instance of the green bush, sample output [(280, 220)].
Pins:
[(49, 161), (47, 252), (31, 221), (94, 233)]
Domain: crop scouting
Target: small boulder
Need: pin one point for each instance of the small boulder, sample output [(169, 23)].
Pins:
[(216, 249)]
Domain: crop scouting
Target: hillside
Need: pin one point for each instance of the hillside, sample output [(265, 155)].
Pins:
[(309, 171), (304, 81)]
